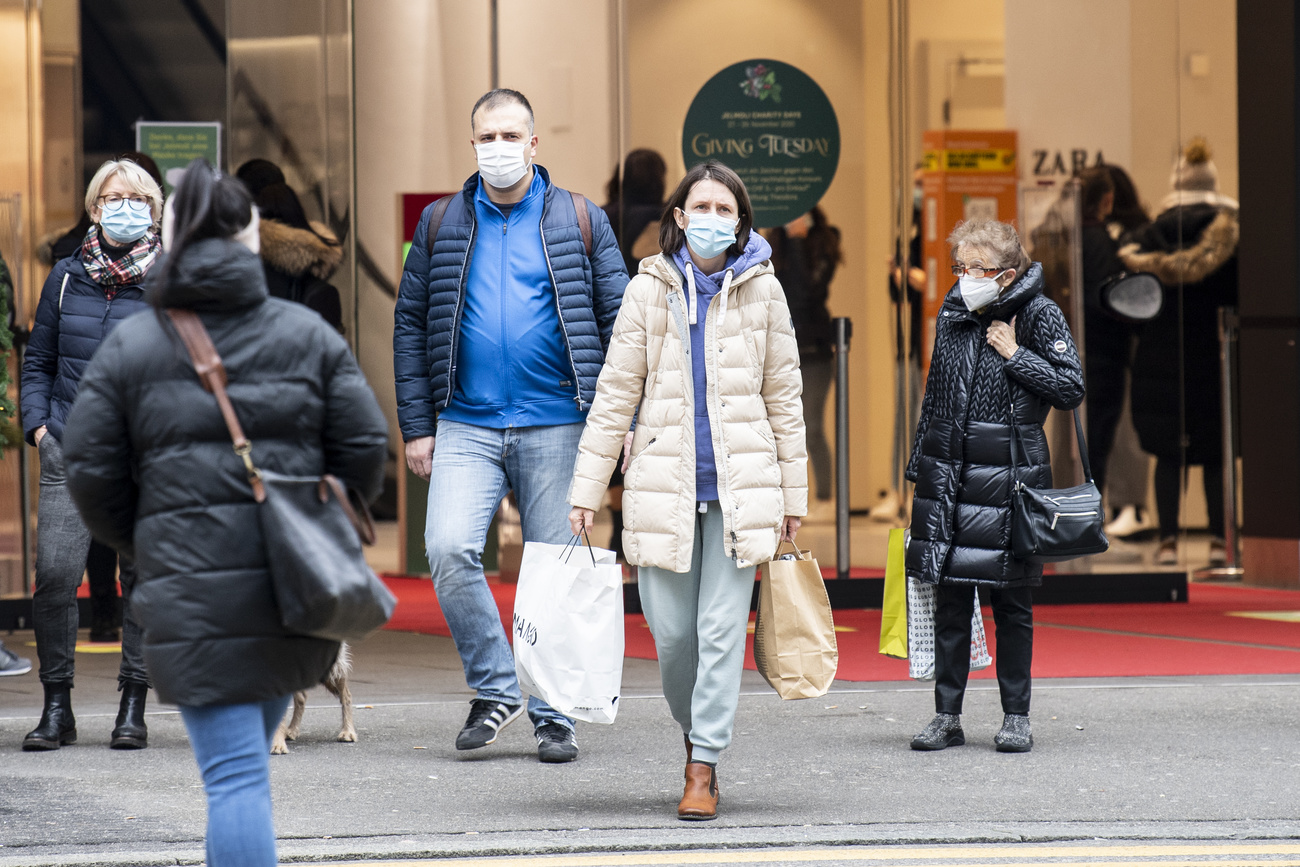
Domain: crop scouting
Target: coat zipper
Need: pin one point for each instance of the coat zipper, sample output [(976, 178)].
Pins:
[(1059, 515), (460, 306), (568, 348)]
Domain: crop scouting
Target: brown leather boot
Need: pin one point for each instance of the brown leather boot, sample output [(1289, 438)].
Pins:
[(700, 800)]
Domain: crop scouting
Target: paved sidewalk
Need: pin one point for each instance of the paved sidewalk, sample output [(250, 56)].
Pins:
[(1132, 758)]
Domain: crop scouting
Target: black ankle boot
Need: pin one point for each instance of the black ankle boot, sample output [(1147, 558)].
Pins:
[(57, 726), (130, 732)]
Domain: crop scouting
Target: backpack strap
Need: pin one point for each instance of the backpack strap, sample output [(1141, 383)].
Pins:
[(584, 219), (435, 220)]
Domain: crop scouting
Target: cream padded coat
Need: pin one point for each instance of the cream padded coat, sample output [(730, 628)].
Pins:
[(755, 413)]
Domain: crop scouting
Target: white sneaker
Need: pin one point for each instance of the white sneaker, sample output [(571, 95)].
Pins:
[(888, 509), (1127, 523), (1167, 553)]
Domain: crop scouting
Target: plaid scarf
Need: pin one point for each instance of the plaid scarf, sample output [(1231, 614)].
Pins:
[(129, 269)]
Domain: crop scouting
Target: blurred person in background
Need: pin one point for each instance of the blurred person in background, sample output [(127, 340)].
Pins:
[(298, 256), (101, 561), (805, 254), (1191, 246), (84, 299), (635, 202)]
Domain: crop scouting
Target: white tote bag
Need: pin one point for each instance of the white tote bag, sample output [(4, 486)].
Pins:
[(921, 608), (568, 629)]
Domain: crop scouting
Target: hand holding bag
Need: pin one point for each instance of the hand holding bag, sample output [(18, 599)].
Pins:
[(311, 529), (1053, 524), (794, 630), (568, 629)]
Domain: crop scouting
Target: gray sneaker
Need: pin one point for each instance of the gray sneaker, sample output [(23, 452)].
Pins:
[(942, 732), (11, 663), (1015, 736)]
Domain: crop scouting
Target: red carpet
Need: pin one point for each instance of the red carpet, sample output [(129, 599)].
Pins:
[(1206, 635)]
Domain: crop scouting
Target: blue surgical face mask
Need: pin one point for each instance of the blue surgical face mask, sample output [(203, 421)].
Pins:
[(709, 235), (126, 225)]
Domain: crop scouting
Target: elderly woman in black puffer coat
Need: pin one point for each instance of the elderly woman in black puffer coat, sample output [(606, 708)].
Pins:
[(1003, 355), (151, 468)]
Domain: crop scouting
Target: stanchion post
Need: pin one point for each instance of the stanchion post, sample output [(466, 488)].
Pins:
[(843, 334)]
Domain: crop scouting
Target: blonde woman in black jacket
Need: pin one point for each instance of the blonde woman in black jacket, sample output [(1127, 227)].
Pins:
[(1003, 355), (151, 468)]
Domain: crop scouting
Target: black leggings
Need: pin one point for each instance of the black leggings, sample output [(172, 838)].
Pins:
[(1169, 485)]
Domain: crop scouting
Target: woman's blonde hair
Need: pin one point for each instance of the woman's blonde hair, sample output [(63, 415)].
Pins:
[(1000, 240), (134, 177)]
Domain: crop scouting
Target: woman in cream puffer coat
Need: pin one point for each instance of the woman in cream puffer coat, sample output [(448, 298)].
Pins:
[(704, 355)]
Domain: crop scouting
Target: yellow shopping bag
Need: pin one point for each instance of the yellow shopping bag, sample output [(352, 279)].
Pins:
[(893, 611)]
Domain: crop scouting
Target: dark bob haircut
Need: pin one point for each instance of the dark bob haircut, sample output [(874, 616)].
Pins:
[(671, 237)]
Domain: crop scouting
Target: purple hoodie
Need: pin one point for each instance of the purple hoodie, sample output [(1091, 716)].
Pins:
[(706, 288)]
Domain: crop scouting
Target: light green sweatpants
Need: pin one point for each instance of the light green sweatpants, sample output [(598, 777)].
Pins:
[(699, 620)]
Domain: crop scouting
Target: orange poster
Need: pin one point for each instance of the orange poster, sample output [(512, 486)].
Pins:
[(968, 175)]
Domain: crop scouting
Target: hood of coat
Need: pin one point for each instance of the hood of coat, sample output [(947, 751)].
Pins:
[(213, 274), (297, 251), (1015, 296), (753, 261), (1192, 264)]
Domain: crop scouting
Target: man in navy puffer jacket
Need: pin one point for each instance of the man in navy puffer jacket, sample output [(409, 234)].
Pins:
[(501, 328)]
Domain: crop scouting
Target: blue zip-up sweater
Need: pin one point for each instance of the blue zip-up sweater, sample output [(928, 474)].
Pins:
[(510, 369), (63, 339), (707, 287), (431, 302)]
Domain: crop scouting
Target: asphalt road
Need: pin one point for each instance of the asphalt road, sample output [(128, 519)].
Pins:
[(1146, 761)]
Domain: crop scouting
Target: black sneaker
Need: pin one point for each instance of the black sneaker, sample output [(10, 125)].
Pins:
[(486, 720), (556, 743), (11, 663)]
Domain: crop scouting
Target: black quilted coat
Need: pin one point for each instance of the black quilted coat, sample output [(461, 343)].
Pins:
[(961, 458), (151, 468)]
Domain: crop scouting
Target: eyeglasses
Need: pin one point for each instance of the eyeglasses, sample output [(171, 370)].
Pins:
[(976, 272), (113, 202)]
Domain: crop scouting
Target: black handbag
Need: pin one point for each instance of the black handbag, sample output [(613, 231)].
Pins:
[(1053, 524), (1133, 298), (311, 528)]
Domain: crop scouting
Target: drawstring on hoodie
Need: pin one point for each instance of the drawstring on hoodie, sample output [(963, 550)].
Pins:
[(692, 297)]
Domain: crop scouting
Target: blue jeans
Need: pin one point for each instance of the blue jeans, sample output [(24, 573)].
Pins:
[(473, 468), (232, 745)]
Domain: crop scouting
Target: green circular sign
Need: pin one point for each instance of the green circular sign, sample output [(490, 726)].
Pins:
[(774, 127)]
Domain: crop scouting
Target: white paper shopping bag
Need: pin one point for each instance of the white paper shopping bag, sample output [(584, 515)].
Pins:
[(568, 629)]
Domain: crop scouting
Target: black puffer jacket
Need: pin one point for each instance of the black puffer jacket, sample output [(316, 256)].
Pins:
[(151, 468), (961, 459)]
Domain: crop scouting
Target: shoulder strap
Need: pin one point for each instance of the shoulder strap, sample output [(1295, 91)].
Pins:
[(212, 374), (1015, 442), (584, 219), (435, 220)]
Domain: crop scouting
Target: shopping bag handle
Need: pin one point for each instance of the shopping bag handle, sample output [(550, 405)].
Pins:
[(569, 548), (793, 547)]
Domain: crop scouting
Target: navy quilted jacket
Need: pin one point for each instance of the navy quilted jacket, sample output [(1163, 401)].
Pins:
[(71, 321), (961, 459), (432, 294)]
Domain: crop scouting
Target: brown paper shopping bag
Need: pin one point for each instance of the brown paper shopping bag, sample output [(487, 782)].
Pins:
[(794, 633)]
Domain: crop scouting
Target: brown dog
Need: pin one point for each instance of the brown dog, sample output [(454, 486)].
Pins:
[(336, 681)]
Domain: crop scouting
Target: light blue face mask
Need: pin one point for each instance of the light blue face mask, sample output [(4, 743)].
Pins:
[(709, 235), (126, 225)]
